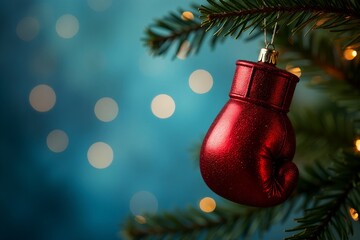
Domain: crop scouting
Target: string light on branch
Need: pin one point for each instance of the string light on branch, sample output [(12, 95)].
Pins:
[(354, 214), (294, 70), (207, 204), (187, 16), (350, 54), (357, 144)]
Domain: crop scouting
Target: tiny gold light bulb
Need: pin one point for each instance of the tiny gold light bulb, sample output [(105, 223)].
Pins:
[(357, 144), (186, 16), (354, 214), (350, 54), (207, 204), (294, 70)]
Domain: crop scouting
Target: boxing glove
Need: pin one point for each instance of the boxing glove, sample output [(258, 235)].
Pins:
[(247, 153)]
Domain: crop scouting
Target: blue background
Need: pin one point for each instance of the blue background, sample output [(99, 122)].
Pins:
[(47, 195)]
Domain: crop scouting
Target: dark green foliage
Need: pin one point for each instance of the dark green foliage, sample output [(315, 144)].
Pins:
[(329, 218), (229, 221), (233, 17), (173, 30), (335, 193)]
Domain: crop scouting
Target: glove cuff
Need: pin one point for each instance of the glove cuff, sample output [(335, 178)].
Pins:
[(263, 84)]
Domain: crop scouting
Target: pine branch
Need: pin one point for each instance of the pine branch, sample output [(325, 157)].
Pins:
[(176, 29), (319, 56), (228, 221), (232, 221), (329, 217), (233, 17)]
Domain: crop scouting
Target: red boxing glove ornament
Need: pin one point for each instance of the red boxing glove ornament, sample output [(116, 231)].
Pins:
[(247, 153)]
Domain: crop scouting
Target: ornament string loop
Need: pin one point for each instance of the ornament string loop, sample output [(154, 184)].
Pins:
[(273, 34), (269, 54)]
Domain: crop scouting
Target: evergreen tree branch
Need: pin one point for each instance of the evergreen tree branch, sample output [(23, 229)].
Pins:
[(329, 218), (228, 221), (232, 221), (233, 17), (318, 54), (185, 31)]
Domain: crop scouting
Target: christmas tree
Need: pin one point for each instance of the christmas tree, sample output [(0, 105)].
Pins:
[(319, 41)]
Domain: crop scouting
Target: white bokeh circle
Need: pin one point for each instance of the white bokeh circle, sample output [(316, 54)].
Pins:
[(42, 98), (163, 106), (106, 109), (28, 28), (143, 202), (57, 141), (200, 81), (100, 155), (67, 26), (99, 5)]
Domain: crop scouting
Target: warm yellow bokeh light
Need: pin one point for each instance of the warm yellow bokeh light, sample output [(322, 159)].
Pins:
[(207, 204), (200, 81), (354, 214), (67, 26), (186, 16), (350, 54), (357, 144), (294, 70), (163, 106), (100, 155), (57, 141), (140, 219), (42, 98)]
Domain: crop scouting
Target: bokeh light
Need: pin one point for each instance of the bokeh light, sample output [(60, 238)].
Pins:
[(42, 98), (99, 5), (67, 26), (207, 204), (184, 50), (106, 109), (354, 214), (294, 70), (350, 54), (200, 81), (163, 106), (100, 155), (28, 28), (186, 16), (140, 219), (57, 141), (143, 202), (357, 144)]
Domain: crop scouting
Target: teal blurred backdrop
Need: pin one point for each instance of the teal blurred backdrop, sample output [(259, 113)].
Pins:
[(82, 143)]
